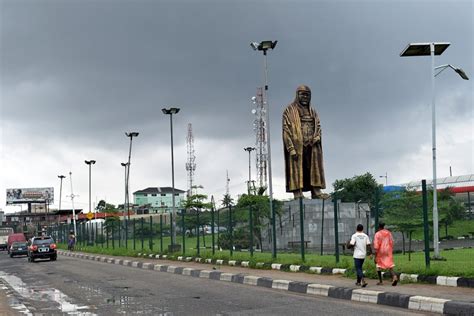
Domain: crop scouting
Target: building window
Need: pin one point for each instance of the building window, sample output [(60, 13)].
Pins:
[(163, 194), (145, 194), (153, 195), (176, 194)]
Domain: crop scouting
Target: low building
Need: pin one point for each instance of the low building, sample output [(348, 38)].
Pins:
[(158, 199)]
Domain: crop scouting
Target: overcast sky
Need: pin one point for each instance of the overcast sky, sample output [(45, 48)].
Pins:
[(76, 75)]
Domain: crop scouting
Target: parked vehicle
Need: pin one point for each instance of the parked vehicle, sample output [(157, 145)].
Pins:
[(4, 232), (18, 248), (42, 247), (19, 237)]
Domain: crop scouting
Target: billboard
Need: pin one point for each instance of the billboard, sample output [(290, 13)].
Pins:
[(30, 195)]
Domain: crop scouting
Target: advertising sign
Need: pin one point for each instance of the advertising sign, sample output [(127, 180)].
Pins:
[(28, 195)]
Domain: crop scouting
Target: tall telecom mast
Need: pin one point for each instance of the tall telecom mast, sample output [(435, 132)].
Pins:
[(190, 164), (259, 126)]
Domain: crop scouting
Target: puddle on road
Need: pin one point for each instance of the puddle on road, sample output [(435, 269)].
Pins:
[(44, 294)]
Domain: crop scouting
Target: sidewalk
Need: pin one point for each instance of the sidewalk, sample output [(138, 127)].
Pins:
[(5, 308), (423, 297)]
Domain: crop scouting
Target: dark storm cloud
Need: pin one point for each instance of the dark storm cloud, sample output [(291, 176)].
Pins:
[(86, 71)]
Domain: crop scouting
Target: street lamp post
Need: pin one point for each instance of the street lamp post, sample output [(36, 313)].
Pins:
[(125, 165), (432, 49), (386, 178), (130, 135), (90, 163), (264, 46), (170, 112), (249, 149), (61, 177)]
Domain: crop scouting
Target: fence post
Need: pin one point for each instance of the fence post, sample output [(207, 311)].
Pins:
[(142, 222), (197, 232), (151, 234), (322, 228), (302, 228), (113, 235), (183, 230), (134, 235), (119, 233), (377, 198), (231, 237), (336, 229), (102, 233), (425, 224), (251, 229), (107, 230), (212, 225), (161, 233), (126, 233)]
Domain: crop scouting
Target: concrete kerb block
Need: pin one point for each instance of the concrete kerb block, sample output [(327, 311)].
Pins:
[(187, 271), (226, 277), (180, 258), (171, 269), (209, 260), (458, 308), (198, 259), (298, 287), (245, 264), (164, 256), (281, 284), (205, 274), (447, 281), (157, 267), (188, 259), (135, 264), (294, 268), (220, 262), (139, 254), (151, 256), (126, 262), (316, 270), (409, 277), (157, 257), (365, 296), (276, 266), (427, 304), (318, 289), (232, 262), (338, 271), (147, 266), (251, 280), (260, 264)]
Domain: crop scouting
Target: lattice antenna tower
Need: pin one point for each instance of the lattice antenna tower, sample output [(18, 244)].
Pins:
[(259, 126), (191, 161), (227, 190)]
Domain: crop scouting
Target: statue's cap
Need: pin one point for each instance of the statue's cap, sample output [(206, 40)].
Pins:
[(303, 88)]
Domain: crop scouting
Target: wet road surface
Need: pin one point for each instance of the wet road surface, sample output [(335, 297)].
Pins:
[(71, 286)]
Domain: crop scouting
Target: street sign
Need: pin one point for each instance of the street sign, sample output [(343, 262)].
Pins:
[(90, 216)]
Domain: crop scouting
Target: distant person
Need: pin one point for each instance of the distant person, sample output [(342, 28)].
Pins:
[(383, 247), (71, 243), (361, 244)]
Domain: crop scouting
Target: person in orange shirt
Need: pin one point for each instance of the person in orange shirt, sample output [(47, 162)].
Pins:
[(383, 246)]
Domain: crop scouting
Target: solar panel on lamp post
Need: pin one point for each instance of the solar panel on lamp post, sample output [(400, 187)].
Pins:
[(433, 49), (170, 112), (249, 149), (263, 47)]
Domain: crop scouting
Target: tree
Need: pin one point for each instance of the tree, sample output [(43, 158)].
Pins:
[(358, 188), (260, 205), (195, 203)]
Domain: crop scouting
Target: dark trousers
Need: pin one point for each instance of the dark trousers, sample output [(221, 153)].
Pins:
[(358, 263)]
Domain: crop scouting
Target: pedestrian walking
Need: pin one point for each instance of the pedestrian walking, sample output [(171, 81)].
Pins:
[(361, 244), (383, 247), (71, 243)]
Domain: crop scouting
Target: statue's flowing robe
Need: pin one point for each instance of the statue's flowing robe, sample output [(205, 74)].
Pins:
[(293, 139)]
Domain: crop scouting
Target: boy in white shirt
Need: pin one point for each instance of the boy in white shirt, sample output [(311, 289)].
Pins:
[(361, 244)]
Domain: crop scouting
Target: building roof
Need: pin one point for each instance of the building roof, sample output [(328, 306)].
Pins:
[(158, 190)]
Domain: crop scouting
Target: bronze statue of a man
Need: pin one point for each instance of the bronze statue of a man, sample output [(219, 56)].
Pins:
[(303, 150)]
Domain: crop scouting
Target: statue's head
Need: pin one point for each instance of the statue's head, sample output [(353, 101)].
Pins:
[(303, 95)]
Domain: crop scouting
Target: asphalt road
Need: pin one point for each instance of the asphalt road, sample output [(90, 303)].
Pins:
[(71, 286)]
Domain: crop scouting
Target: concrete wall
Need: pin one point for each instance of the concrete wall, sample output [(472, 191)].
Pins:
[(288, 226)]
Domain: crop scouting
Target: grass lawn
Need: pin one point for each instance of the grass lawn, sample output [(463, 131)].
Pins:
[(458, 262), (458, 228)]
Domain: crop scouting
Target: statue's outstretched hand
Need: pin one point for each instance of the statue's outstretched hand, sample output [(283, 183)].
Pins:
[(316, 139)]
